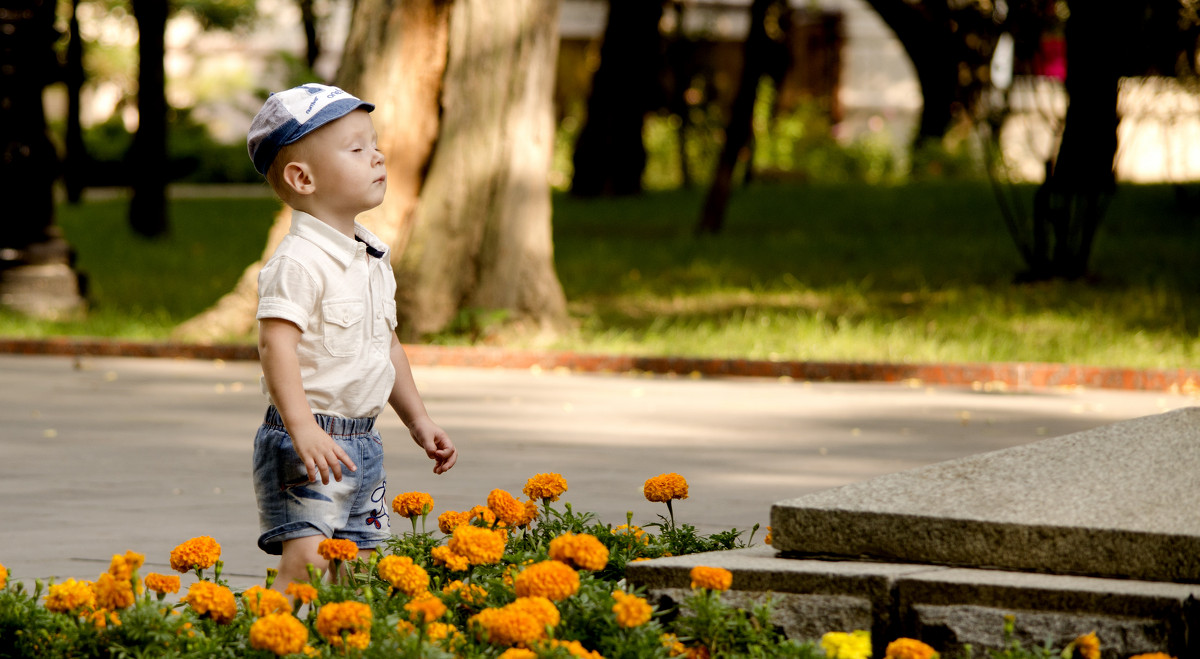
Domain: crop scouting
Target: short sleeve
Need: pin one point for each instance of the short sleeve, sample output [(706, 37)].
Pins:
[(287, 291)]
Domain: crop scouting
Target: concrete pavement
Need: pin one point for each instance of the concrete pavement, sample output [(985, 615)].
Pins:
[(105, 454)]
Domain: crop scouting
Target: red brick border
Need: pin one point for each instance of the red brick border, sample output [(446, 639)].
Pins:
[(1004, 375)]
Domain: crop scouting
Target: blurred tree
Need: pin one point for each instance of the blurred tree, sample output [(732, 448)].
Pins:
[(609, 154), (463, 92), (35, 273), (147, 156), (765, 43)]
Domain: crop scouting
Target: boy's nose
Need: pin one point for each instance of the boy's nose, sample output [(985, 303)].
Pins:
[(378, 157)]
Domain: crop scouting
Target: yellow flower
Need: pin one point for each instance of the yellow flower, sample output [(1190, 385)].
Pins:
[(479, 546), (196, 554), (123, 566), (443, 555), (665, 487), (484, 513), (207, 598), (518, 653), (450, 520), (69, 596), (336, 549), (550, 579), (1088, 646), (350, 618), (425, 607), (113, 593), (101, 617), (434, 631), (468, 593), (631, 610), (412, 504), (508, 626), (404, 575), (712, 578), (634, 531), (908, 648), (280, 633), (162, 583), (840, 645), (581, 551), (303, 592), (264, 601), (507, 509), (545, 487), (3, 576)]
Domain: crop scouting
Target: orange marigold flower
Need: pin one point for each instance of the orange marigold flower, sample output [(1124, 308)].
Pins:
[(545, 487), (69, 596), (337, 549), (635, 531), (3, 576), (412, 504), (479, 546), (531, 514), (215, 601), (303, 592), (113, 593), (162, 583), (909, 648), (770, 536), (518, 653), (551, 579), (1088, 646), (425, 607), (280, 633), (540, 608), (123, 566), (712, 578), (450, 520), (573, 648), (483, 513), (631, 610), (508, 626), (507, 509), (1152, 655), (673, 645), (404, 575), (583, 551), (351, 618), (196, 554), (264, 601), (468, 593), (434, 631), (443, 555), (101, 617), (665, 487)]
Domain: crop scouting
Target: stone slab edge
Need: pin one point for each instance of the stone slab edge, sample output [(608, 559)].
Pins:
[(1001, 375), (895, 592)]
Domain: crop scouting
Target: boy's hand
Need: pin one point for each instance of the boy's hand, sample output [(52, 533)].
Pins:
[(320, 454), (436, 443)]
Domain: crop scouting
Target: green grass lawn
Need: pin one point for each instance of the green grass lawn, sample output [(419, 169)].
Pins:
[(916, 273)]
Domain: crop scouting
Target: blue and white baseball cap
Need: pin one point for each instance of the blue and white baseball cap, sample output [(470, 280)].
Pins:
[(289, 115)]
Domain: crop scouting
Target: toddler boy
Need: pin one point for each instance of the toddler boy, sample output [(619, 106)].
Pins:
[(327, 341)]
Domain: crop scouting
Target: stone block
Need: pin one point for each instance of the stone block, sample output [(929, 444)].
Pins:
[(1117, 501)]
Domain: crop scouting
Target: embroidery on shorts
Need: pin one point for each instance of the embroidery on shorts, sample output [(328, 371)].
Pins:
[(379, 516)]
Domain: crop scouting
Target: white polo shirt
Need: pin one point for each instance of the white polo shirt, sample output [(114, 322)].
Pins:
[(343, 299)]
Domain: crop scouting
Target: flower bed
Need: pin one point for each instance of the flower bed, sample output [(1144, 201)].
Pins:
[(507, 580)]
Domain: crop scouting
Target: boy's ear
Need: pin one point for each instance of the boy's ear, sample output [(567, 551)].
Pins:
[(297, 176)]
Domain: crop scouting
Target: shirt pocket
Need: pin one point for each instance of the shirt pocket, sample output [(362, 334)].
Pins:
[(343, 321)]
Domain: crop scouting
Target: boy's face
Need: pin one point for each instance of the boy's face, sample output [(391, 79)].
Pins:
[(346, 165)]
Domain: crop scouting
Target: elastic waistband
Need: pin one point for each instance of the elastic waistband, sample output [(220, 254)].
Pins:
[(334, 425)]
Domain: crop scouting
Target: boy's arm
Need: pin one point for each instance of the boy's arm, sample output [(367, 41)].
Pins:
[(407, 402), (277, 341)]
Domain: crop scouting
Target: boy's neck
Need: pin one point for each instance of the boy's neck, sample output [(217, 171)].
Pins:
[(343, 224)]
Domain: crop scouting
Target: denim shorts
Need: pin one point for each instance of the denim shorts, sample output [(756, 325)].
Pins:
[(290, 507)]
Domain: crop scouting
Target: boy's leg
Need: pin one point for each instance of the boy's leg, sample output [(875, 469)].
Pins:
[(298, 553)]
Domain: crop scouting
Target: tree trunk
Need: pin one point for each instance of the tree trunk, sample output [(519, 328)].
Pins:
[(1072, 200), (148, 153), (480, 237), (741, 116), (482, 240), (396, 63), (609, 154)]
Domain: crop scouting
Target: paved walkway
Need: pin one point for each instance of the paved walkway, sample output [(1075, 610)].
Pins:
[(106, 454)]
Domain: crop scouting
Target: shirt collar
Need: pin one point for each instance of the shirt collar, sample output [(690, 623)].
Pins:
[(342, 248)]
